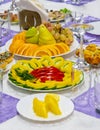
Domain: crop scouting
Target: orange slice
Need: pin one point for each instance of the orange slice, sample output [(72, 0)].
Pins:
[(42, 51), (20, 36), (62, 47), (21, 49), (31, 48), (15, 45), (53, 50)]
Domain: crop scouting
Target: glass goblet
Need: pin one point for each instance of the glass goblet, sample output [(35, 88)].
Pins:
[(74, 18), (4, 22), (81, 29), (14, 16), (1, 83)]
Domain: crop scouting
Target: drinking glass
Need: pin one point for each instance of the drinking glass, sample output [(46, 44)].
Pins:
[(81, 29), (4, 22), (1, 84), (97, 91), (73, 18), (14, 15)]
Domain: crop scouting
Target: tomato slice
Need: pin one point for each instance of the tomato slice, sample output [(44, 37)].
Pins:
[(48, 73)]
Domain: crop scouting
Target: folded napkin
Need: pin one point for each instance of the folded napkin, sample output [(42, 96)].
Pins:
[(93, 38), (8, 108), (89, 19), (7, 37), (33, 5), (85, 103)]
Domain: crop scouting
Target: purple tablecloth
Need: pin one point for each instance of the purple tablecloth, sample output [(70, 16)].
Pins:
[(8, 107), (5, 1), (7, 37), (82, 2), (85, 103), (87, 36)]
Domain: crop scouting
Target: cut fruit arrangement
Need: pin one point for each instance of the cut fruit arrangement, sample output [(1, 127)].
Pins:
[(45, 73), (49, 104), (46, 39)]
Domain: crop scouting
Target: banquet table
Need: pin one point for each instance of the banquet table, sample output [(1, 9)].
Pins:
[(77, 120)]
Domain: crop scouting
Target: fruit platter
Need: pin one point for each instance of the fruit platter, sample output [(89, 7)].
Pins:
[(46, 39), (45, 74)]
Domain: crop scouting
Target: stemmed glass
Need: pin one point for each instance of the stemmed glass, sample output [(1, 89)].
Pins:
[(1, 84), (79, 28), (4, 23), (14, 15), (13, 5)]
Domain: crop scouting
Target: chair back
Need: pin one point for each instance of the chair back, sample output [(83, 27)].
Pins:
[(28, 18)]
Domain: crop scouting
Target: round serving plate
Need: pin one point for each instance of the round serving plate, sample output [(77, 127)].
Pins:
[(25, 105), (73, 47)]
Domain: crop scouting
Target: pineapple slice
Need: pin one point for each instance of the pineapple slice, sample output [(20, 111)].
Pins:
[(39, 108), (54, 96), (52, 104)]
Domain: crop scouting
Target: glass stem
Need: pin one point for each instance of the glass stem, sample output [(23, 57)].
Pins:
[(81, 47), (90, 84), (1, 84), (0, 33)]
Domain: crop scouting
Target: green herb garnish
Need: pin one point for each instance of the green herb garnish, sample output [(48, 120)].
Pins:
[(25, 75)]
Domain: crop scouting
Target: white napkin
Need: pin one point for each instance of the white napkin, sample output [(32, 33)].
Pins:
[(33, 5)]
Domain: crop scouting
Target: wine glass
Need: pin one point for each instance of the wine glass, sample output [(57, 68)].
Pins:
[(1, 84), (13, 5), (14, 15), (4, 23), (79, 28)]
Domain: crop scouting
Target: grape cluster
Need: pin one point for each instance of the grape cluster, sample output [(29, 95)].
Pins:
[(60, 34)]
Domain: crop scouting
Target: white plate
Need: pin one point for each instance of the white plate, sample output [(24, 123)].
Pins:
[(24, 107), (56, 15), (96, 29), (56, 20), (73, 47), (14, 23)]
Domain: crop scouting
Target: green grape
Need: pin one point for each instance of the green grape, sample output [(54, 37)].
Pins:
[(56, 35), (62, 37), (58, 25), (66, 30), (58, 40), (62, 31), (53, 32), (67, 41)]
